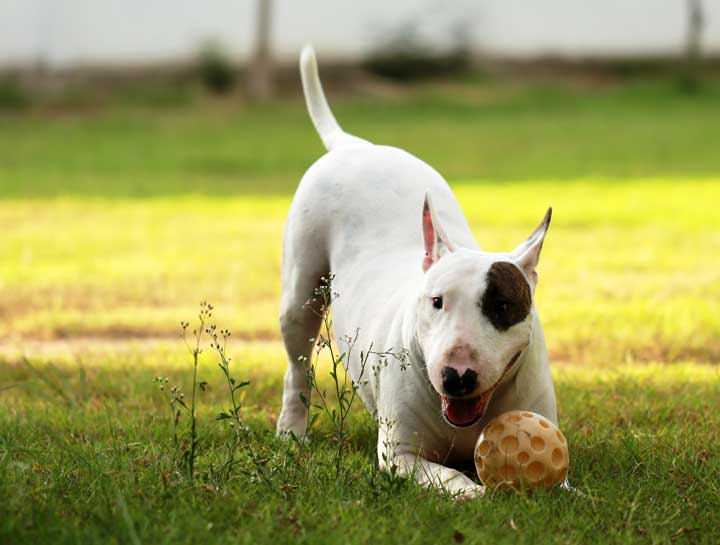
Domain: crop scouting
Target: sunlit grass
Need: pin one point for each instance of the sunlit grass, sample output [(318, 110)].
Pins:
[(627, 270)]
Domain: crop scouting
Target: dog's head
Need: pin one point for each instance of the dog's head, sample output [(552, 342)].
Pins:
[(474, 316)]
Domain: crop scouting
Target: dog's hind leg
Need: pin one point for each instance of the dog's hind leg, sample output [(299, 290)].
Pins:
[(300, 320)]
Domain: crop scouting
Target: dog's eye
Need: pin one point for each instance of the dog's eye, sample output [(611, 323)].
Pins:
[(437, 302), (501, 307)]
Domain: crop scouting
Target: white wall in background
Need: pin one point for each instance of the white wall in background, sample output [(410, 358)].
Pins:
[(66, 33)]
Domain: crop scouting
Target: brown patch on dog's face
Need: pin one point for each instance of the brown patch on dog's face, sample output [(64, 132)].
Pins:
[(507, 299)]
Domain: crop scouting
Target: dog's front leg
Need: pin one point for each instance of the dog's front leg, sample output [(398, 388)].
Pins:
[(434, 475)]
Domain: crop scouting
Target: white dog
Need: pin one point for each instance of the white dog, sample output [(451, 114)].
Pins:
[(409, 275)]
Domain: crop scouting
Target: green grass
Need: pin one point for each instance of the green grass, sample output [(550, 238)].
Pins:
[(116, 223), (88, 465)]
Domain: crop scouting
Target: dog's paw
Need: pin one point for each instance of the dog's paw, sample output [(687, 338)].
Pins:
[(292, 423), (292, 436), (469, 492), (462, 488), (565, 486)]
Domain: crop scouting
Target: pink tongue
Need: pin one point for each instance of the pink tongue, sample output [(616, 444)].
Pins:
[(462, 412)]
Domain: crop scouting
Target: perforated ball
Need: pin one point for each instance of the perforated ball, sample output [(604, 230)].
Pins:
[(521, 449)]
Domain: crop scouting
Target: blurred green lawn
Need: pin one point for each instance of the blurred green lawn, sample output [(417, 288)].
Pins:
[(482, 132), (115, 223)]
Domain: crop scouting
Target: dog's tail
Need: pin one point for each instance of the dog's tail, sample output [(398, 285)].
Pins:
[(322, 117)]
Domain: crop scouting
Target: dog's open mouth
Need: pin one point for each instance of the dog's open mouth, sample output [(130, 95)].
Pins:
[(462, 413)]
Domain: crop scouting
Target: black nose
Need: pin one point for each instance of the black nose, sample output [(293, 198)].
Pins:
[(455, 385)]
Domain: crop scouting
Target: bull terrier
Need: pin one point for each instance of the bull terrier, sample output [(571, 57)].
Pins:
[(409, 275)]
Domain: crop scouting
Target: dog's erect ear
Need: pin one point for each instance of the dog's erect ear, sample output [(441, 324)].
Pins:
[(527, 255), (436, 241)]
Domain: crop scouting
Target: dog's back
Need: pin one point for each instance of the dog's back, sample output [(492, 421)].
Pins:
[(361, 191)]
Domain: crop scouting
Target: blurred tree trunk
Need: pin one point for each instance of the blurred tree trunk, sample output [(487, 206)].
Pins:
[(260, 78), (695, 21)]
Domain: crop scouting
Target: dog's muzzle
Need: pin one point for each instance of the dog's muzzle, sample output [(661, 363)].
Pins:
[(465, 412)]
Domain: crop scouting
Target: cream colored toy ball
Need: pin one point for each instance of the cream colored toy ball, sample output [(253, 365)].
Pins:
[(521, 449)]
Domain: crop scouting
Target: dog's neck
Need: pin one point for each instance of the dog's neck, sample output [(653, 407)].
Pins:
[(411, 342)]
